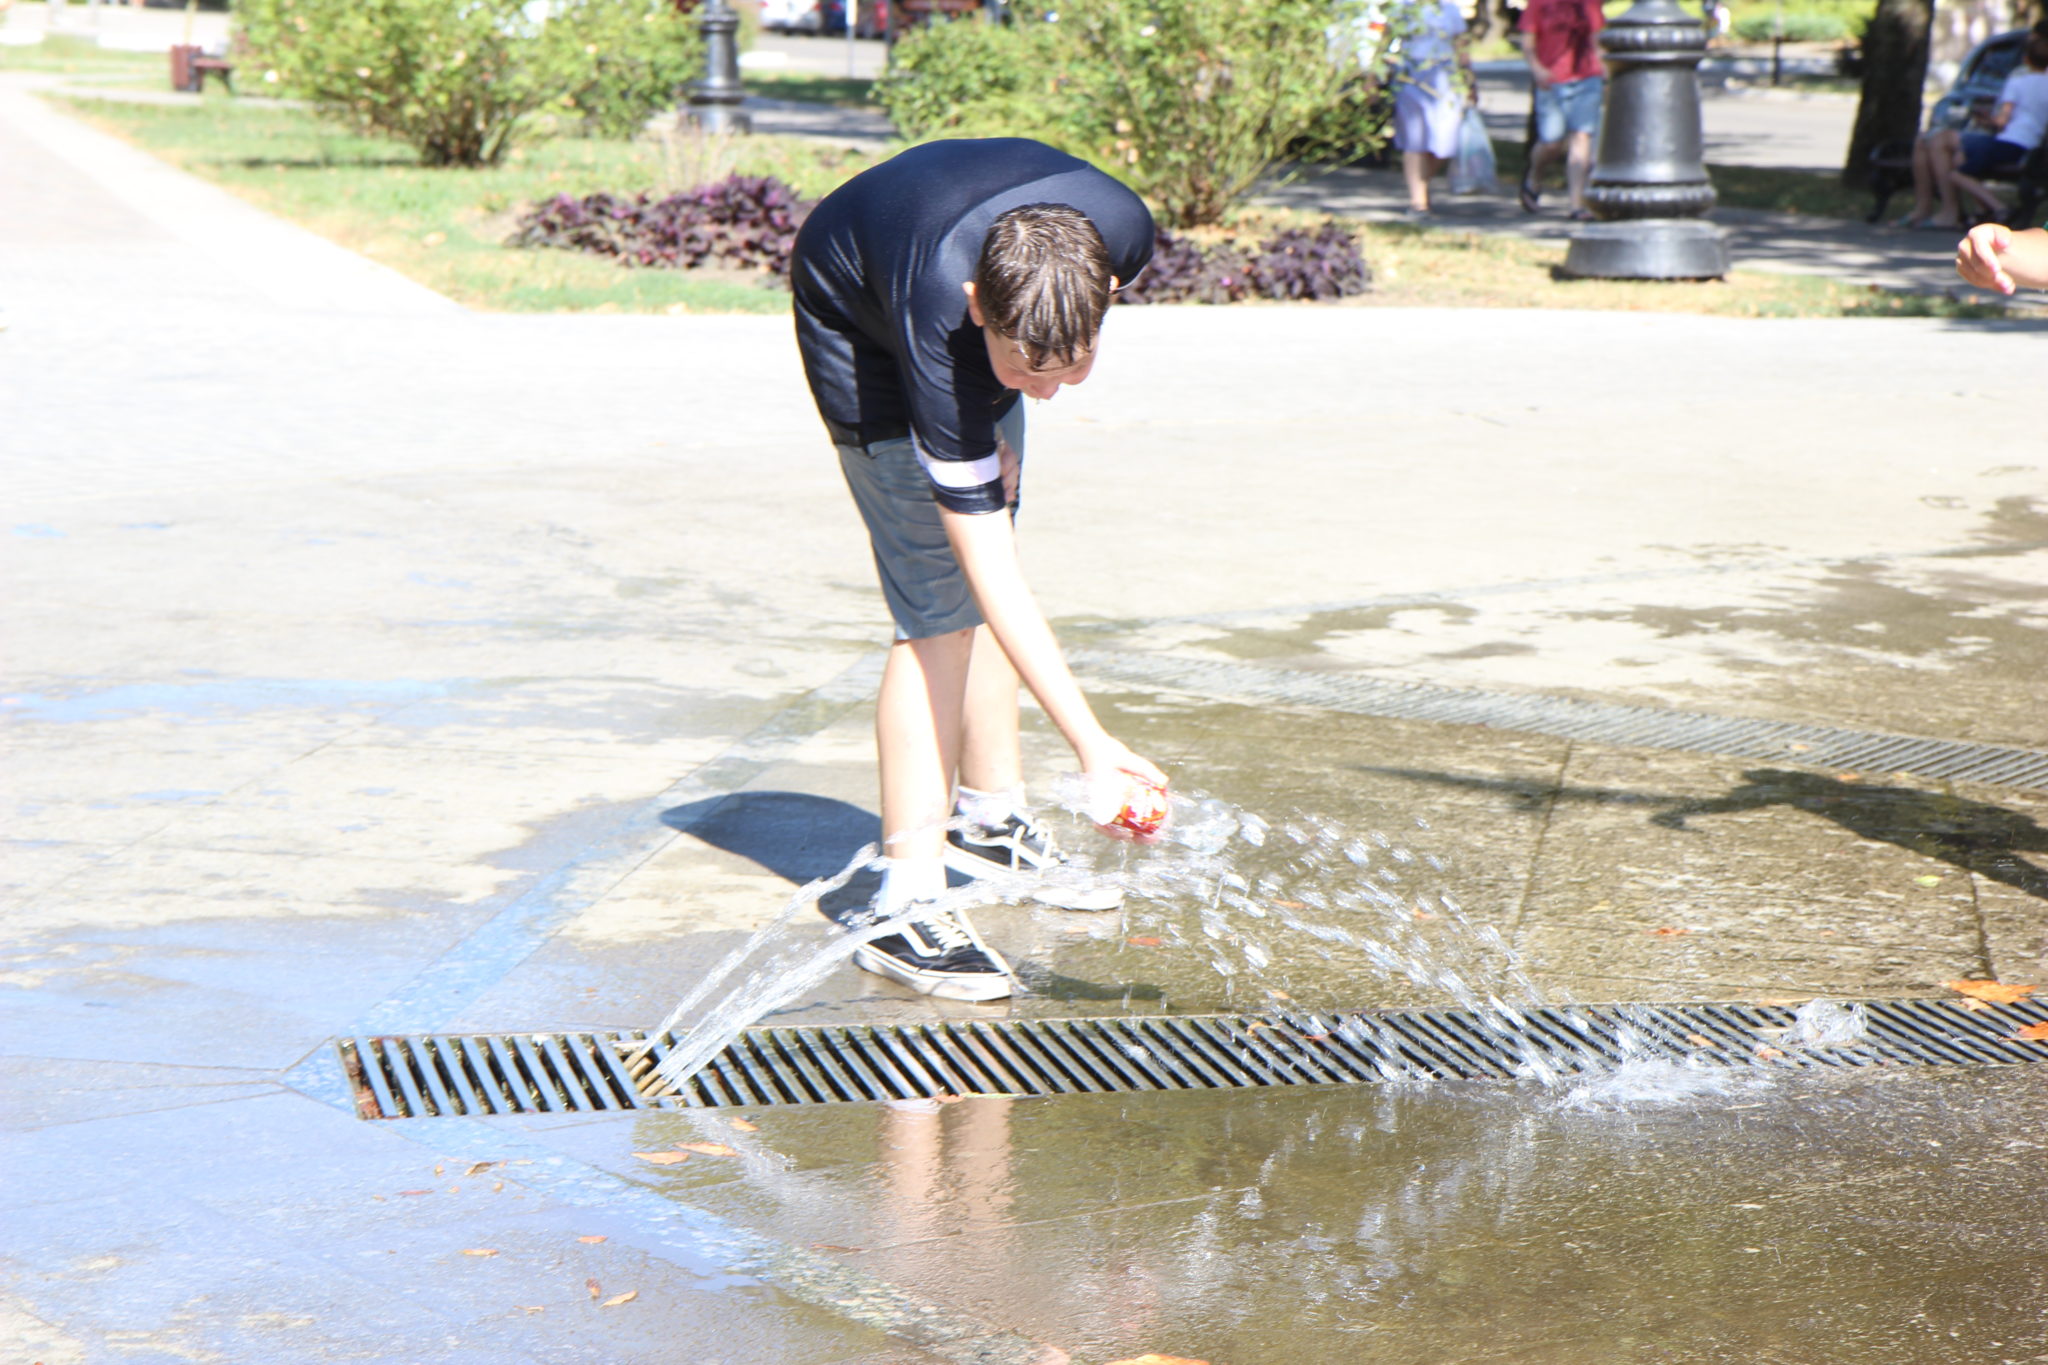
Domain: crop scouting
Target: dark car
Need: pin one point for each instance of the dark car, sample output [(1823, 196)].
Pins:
[(1979, 80)]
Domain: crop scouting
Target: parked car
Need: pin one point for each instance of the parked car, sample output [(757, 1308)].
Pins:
[(1979, 80), (803, 16)]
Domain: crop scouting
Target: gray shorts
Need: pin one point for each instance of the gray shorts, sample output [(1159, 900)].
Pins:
[(926, 590)]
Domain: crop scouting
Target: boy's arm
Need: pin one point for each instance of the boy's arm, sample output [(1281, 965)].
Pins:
[(1995, 257), (986, 547)]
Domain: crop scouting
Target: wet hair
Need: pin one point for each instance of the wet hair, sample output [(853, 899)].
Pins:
[(1043, 282), (2037, 47)]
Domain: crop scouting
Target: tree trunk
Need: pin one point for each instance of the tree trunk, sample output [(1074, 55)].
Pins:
[(1894, 73)]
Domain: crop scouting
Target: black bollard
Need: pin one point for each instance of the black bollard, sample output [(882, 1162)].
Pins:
[(1649, 184), (715, 100)]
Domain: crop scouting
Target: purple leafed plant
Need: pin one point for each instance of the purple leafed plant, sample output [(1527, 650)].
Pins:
[(1295, 263), (741, 223)]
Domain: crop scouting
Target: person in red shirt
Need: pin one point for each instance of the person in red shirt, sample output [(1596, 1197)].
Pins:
[(1560, 39)]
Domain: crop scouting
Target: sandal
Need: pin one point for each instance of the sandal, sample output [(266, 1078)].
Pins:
[(1530, 195)]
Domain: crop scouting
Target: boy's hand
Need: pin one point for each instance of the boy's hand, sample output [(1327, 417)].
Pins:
[(1113, 765), (1978, 257)]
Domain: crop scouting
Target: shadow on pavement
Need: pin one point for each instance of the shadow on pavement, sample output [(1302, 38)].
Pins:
[(797, 836), (1976, 836)]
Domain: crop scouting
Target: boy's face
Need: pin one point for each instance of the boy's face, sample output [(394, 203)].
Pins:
[(1012, 363)]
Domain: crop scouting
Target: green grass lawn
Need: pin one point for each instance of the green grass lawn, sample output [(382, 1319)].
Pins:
[(848, 92), (447, 228), (65, 54)]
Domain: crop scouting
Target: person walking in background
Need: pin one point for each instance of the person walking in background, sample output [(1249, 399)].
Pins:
[(1429, 94), (1560, 41), (932, 293), (1948, 162)]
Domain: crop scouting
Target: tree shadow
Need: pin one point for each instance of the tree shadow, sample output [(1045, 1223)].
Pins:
[(1976, 836), (796, 836)]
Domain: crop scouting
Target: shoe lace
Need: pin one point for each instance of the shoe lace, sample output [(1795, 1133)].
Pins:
[(946, 931), (1027, 831)]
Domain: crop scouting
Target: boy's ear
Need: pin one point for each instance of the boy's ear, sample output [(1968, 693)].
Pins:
[(973, 304)]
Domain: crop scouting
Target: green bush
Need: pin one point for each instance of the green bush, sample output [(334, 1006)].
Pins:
[(1190, 102), (1799, 26), (971, 78), (457, 80)]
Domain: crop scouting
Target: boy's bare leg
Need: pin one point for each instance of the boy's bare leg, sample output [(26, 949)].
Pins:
[(1546, 155), (991, 759), (1416, 168), (1578, 166), (917, 741)]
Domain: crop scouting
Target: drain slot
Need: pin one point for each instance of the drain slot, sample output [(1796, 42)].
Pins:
[(437, 1075)]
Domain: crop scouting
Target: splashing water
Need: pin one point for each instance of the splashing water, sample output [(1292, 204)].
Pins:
[(1252, 899), (1827, 1023)]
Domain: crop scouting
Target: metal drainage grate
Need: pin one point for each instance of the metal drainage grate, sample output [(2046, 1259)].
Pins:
[(532, 1073), (1822, 746)]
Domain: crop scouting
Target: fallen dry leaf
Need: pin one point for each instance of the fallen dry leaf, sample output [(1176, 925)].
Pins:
[(1423, 915), (1292, 905), (1848, 777), (1768, 1053), (479, 1251), (1929, 880), (1972, 1005), (412, 1192), (2033, 1033), (497, 1185), (437, 1168), (1998, 992), (595, 1292), (663, 1158), (615, 1300), (532, 1308), (1278, 995), (1156, 1359), (742, 1125), (827, 1246), (479, 1167), (1699, 1040), (1670, 931), (1145, 941), (592, 1240), (707, 1148)]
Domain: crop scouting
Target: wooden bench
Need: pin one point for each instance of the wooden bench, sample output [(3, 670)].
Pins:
[(191, 65)]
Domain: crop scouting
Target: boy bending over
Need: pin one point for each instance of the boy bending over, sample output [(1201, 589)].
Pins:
[(932, 292)]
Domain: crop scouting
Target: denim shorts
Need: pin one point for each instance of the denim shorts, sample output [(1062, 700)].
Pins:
[(1572, 107), (1983, 152), (922, 582)]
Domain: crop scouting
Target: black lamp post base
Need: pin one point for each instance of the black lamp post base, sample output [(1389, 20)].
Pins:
[(1648, 249), (719, 118)]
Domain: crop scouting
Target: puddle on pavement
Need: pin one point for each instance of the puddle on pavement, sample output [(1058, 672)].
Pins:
[(1885, 1215)]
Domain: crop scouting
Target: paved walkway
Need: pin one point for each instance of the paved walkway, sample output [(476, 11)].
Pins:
[(375, 666)]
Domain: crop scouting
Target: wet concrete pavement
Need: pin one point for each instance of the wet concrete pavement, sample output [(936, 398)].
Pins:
[(377, 667)]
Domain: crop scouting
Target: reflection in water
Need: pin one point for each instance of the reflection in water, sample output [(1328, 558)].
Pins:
[(1871, 1217)]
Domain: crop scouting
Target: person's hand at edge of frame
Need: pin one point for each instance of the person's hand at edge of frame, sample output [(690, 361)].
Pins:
[(1977, 257)]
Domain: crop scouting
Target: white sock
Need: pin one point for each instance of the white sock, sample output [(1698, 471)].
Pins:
[(905, 881), (988, 809)]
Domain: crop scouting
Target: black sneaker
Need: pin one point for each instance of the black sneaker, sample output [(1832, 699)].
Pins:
[(941, 956), (1021, 847)]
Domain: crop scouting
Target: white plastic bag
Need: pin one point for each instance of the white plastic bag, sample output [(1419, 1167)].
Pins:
[(1472, 169)]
